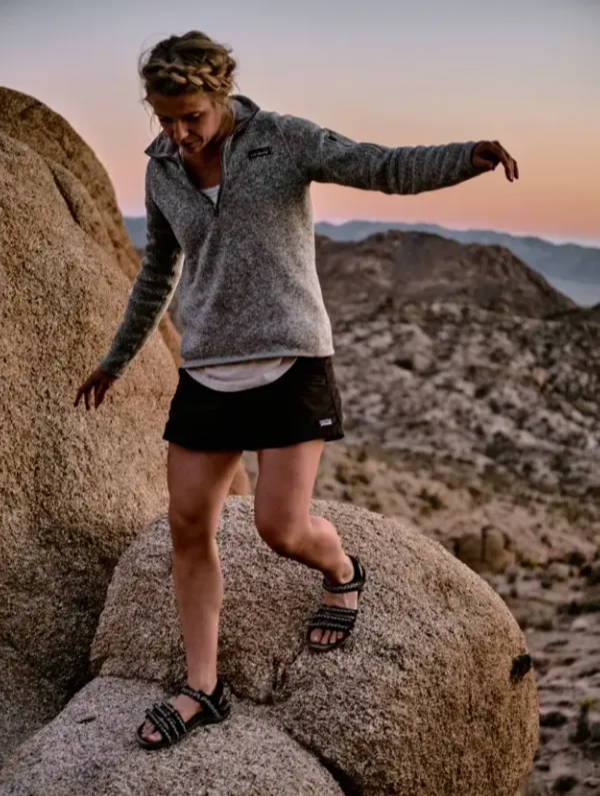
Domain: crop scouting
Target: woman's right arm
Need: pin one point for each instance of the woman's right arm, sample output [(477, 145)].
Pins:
[(151, 292)]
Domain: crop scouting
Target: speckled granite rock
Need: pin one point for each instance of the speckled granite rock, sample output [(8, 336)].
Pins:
[(431, 695), (89, 749), (75, 486), (81, 180)]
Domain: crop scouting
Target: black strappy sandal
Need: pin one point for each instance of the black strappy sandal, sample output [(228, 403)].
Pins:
[(334, 617), (170, 724)]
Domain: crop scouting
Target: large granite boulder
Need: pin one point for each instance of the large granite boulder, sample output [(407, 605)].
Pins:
[(433, 694), (75, 486), (89, 197), (81, 180)]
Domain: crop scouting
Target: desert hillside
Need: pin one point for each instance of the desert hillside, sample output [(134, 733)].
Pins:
[(470, 397), (463, 358)]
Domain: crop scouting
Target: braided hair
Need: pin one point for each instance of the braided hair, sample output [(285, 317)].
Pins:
[(188, 63)]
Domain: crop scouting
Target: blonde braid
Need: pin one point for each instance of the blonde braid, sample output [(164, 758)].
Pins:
[(183, 64)]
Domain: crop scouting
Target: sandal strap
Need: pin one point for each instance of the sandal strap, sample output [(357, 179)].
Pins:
[(164, 721), (336, 610), (356, 584), (333, 617), (175, 716), (201, 697)]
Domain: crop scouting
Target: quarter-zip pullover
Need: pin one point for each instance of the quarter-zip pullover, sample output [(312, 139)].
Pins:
[(249, 285), (234, 376)]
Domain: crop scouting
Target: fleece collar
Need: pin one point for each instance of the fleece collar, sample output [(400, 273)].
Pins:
[(243, 108)]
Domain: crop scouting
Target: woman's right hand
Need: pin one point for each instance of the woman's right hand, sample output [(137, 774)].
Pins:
[(99, 382)]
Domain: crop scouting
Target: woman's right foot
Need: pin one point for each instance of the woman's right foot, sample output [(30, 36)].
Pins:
[(186, 706)]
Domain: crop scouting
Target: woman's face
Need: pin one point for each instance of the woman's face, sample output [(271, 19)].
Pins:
[(190, 120)]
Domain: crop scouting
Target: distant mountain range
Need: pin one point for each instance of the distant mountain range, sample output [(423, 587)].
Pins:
[(571, 268), (563, 261), (136, 226)]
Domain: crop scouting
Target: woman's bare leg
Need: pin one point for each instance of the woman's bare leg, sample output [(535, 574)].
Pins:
[(281, 507), (198, 483)]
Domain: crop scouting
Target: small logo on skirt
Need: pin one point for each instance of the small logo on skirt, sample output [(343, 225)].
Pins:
[(326, 421)]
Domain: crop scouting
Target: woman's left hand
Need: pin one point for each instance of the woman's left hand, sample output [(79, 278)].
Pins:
[(487, 155)]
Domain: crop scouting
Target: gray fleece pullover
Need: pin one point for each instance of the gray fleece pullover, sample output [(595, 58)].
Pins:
[(249, 285)]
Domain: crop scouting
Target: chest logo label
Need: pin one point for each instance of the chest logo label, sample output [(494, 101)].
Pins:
[(260, 152)]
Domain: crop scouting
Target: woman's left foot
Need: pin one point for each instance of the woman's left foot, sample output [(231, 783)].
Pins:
[(185, 705), (347, 599), (171, 723)]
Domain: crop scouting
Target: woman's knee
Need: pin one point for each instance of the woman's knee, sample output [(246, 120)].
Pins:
[(279, 530), (192, 526)]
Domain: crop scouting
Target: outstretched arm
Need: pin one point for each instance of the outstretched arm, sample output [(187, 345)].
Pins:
[(324, 155), (151, 292)]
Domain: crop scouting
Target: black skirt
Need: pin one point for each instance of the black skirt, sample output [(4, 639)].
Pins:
[(302, 404)]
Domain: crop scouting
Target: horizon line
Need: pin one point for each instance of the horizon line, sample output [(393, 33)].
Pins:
[(556, 239)]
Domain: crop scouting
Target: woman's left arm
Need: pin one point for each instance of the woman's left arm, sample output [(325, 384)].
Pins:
[(324, 155)]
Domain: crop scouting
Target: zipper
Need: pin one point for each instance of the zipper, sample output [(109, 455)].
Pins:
[(226, 147), (203, 196), (223, 170)]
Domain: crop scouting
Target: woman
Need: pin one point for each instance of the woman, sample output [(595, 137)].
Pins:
[(228, 184)]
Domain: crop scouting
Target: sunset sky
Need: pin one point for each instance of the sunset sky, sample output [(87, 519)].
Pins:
[(525, 72)]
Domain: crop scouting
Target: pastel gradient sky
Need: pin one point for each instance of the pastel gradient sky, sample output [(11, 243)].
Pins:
[(525, 72)]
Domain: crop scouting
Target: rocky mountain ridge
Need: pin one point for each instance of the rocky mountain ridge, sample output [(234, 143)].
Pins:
[(571, 261), (463, 374)]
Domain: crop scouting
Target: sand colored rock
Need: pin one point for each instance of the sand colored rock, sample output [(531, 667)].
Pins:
[(485, 551), (81, 180), (27, 699), (88, 749), (30, 121), (431, 695), (75, 486)]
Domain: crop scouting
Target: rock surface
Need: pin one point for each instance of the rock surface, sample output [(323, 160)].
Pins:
[(558, 608), (75, 486), (82, 182), (430, 695), (499, 396), (90, 749)]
